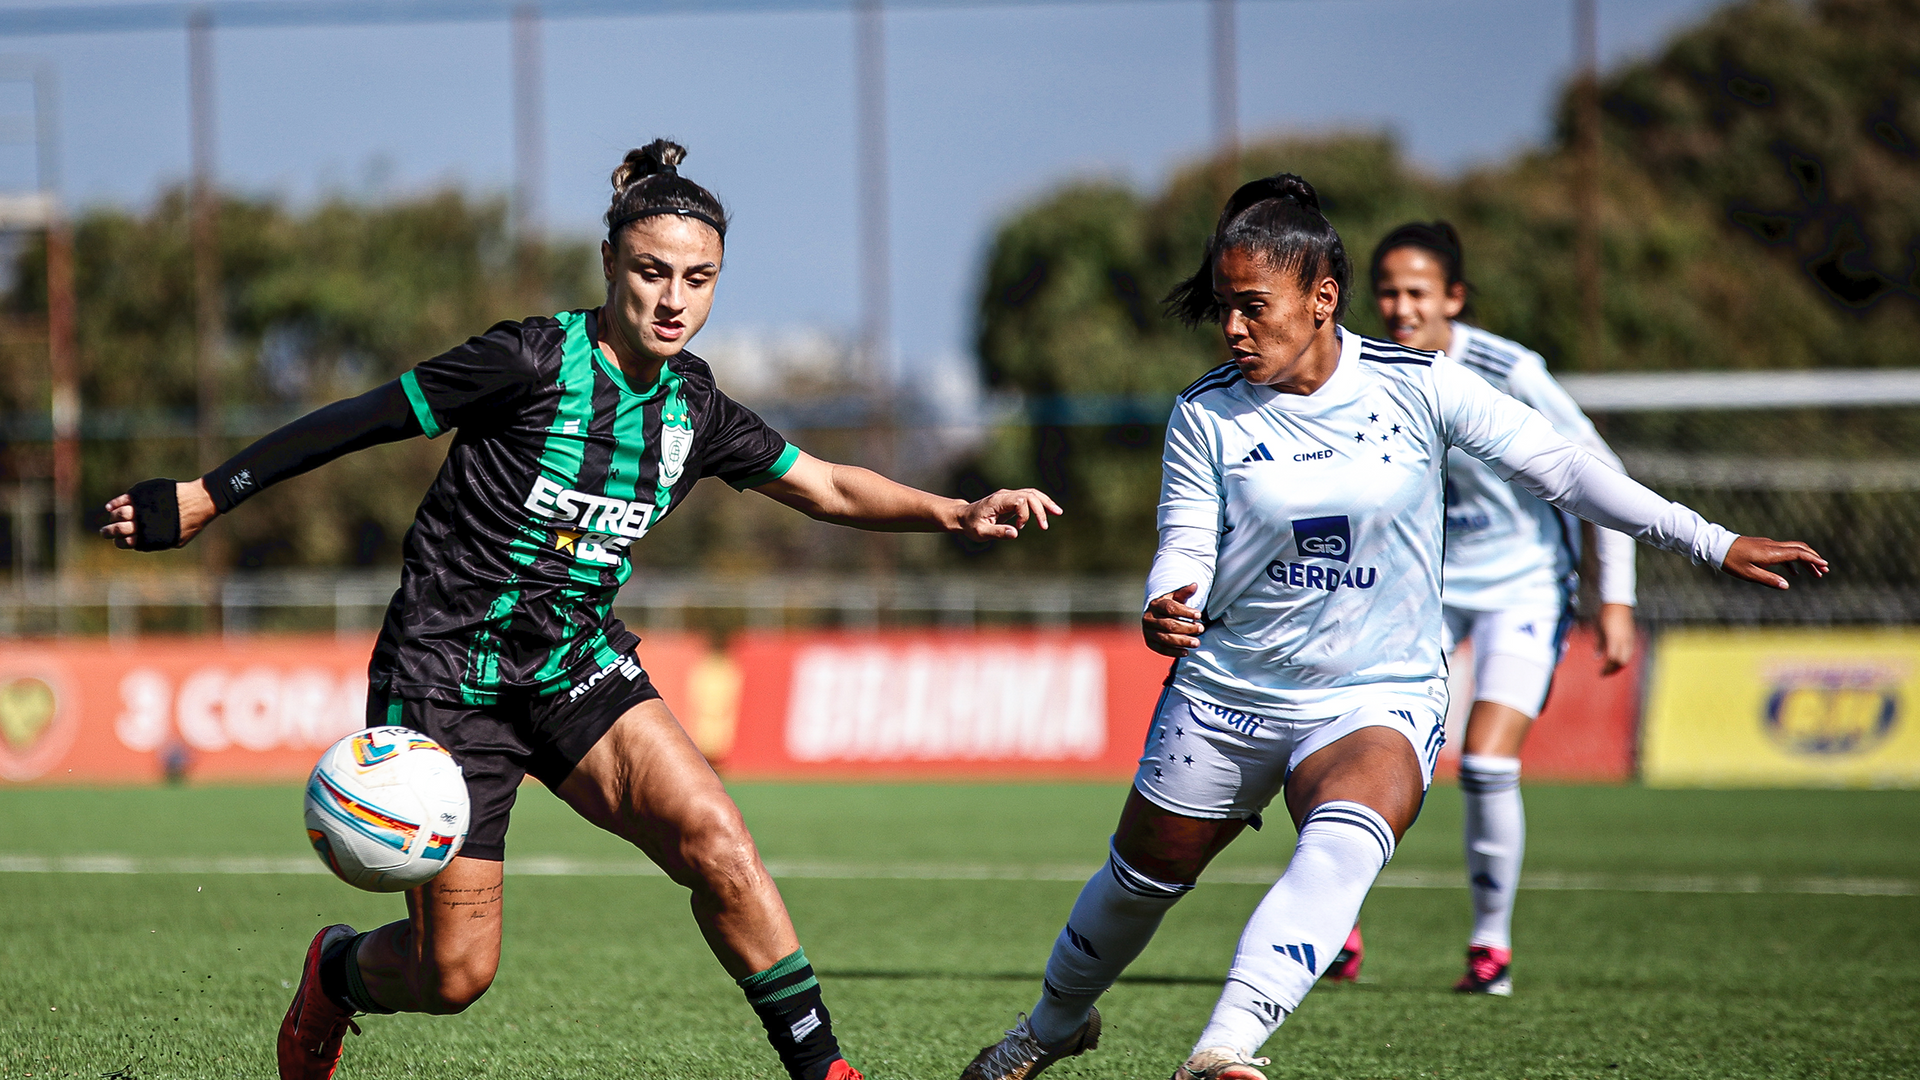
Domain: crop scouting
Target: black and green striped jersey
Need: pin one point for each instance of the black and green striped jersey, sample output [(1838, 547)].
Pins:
[(557, 466)]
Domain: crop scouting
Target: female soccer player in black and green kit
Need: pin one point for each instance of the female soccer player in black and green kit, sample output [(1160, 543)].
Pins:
[(575, 435)]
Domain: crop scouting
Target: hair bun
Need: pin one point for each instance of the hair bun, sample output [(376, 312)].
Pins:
[(658, 156), (1288, 186)]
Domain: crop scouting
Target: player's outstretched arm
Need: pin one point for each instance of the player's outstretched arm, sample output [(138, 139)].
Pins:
[(862, 498), (159, 514)]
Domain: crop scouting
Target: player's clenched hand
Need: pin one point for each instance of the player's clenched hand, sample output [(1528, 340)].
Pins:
[(1001, 515), (1616, 637), (1750, 557), (196, 509), (1169, 625)]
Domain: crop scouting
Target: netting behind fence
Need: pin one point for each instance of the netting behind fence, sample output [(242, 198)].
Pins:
[(1845, 481)]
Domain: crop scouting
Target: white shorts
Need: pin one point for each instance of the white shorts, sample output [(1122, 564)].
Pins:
[(1204, 761), (1514, 652)]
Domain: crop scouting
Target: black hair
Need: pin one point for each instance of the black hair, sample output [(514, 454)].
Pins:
[(1279, 219), (648, 184), (1438, 237)]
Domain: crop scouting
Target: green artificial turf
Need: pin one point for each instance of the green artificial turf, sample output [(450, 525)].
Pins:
[(161, 975)]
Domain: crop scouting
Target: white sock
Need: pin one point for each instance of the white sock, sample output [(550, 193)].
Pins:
[(1496, 838), (1113, 920), (1299, 928)]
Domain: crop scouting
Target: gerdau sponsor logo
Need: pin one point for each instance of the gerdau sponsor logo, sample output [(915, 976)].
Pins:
[(1329, 538)]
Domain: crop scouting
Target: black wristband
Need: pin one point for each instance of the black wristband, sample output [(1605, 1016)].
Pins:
[(156, 515)]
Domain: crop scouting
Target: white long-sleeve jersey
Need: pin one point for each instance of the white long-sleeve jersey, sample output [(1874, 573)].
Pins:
[(1506, 548), (1314, 525)]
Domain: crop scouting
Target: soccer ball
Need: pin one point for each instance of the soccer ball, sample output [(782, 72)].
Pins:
[(386, 809)]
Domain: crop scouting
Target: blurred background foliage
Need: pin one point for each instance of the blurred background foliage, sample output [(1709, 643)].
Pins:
[(1761, 209), (320, 305)]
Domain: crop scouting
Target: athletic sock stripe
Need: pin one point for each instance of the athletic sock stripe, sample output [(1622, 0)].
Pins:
[(755, 997), (786, 965), (1487, 783), (1140, 884), (1360, 818), (1369, 825)]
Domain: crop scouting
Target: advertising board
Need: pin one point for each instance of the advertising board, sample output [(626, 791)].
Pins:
[(986, 704), (1784, 708), (245, 708)]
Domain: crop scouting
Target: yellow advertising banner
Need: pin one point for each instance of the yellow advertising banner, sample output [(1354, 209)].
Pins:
[(1803, 708)]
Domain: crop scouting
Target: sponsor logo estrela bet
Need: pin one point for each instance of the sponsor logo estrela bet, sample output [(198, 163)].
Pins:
[(602, 527)]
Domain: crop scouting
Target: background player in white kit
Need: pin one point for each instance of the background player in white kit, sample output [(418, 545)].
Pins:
[(1298, 581), (1509, 579)]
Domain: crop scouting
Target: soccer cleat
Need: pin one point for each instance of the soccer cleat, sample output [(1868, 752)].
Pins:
[(1020, 1056), (841, 1069), (311, 1034), (1346, 965), (1220, 1063), (1488, 972)]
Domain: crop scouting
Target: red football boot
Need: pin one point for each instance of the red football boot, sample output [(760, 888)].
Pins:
[(841, 1069), (310, 1036), (1489, 971), (1346, 966)]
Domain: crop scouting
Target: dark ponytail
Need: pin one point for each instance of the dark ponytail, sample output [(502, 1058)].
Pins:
[(1438, 237), (1277, 218), (648, 184)]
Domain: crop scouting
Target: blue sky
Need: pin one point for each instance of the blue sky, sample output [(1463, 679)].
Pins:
[(988, 107)]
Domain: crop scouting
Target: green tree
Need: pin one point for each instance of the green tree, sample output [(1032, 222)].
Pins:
[(1760, 209), (319, 305)]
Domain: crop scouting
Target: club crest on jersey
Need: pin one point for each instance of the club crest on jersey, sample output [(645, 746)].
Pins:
[(675, 444), (594, 528), (1323, 537)]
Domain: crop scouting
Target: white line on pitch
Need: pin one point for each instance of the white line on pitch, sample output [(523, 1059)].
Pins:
[(561, 866)]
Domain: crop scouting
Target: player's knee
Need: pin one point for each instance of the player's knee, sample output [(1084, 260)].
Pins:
[(457, 986), (717, 848)]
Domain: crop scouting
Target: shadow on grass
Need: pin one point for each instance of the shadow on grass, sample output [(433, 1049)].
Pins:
[(1009, 976)]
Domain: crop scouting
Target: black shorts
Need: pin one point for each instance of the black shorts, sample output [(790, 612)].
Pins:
[(497, 745)]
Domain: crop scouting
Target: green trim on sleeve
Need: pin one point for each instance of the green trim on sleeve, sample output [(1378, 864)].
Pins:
[(421, 410), (780, 467)]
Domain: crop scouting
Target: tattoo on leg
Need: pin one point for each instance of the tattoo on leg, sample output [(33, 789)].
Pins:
[(487, 896)]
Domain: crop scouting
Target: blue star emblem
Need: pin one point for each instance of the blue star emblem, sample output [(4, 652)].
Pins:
[(1189, 759), (1386, 458)]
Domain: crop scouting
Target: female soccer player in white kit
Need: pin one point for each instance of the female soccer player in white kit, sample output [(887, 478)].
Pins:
[(1508, 580), (1298, 582)]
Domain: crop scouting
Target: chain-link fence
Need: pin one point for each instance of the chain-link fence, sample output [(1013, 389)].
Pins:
[(1845, 481)]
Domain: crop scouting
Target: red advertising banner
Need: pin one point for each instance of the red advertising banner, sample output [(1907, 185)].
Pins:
[(244, 708), (1064, 704), (918, 704), (893, 704)]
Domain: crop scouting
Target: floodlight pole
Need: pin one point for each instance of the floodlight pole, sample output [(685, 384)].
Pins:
[(876, 257), (205, 227), (1226, 85), (876, 276), (208, 318), (62, 350), (1586, 184), (529, 141)]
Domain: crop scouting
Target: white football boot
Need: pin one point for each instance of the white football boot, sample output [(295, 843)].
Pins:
[(1220, 1063)]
